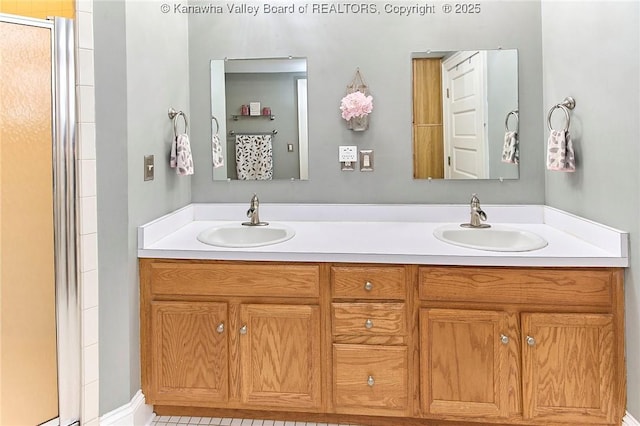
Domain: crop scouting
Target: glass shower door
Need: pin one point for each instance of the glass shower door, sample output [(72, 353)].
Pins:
[(28, 364)]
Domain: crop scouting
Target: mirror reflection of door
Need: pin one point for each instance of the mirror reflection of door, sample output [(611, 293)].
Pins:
[(462, 101), (465, 139), (428, 151)]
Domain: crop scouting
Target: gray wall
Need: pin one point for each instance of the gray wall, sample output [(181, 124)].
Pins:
[(141, 70), (596, 59), (381, 45)]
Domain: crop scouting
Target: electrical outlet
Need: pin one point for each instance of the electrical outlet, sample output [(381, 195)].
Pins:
[(148, 167), (348, 154)]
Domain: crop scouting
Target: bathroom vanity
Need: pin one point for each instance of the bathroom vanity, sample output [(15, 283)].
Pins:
[(448, 335)]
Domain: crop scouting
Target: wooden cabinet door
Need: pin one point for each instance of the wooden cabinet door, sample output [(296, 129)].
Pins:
[(280, 355), (190, 353), (568, 368), (464, 362)]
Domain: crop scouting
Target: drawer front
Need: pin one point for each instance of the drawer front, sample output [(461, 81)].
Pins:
[(232, 279), (565, 287), (370, 376), (368, 282), (388, 319)]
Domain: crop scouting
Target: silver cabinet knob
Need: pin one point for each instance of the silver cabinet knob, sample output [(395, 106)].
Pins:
[(368, 286), (220, 328), (243, 329), (531, 341), (504, 339), (368, 324), (371, 381)]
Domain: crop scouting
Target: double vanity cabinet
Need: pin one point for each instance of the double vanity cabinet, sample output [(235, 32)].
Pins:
[(383, 344)]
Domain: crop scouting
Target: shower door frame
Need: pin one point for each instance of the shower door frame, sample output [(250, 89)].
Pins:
[(65, 195)]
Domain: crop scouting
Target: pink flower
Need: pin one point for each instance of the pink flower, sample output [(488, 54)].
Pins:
[(356, 104)]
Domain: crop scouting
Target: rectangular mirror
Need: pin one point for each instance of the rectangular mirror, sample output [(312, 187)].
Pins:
[(259, 112), (465, 106)]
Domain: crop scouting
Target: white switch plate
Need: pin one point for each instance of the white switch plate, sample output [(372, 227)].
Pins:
[(347, 154)]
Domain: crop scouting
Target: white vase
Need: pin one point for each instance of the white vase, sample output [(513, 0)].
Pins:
[(359, 124)]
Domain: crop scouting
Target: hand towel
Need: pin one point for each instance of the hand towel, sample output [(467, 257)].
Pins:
[(510, 150), (216, 147), (560, 155), (254, 157), (181, 158)]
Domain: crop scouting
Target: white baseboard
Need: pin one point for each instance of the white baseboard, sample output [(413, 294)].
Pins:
[(135, 413), (629, 420)]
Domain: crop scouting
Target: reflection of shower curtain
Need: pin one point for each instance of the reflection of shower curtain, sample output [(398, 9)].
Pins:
[(254, 157)]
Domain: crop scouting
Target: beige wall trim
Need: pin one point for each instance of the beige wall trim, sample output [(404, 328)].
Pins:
[(136, 412)]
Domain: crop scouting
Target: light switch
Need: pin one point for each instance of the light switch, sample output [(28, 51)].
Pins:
[(366, 160), (148, 167)]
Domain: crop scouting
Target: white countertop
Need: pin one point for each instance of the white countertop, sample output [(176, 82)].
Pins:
[(385, 234)]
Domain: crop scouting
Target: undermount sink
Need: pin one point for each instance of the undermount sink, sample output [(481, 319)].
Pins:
[(495, 238), (237, 235)]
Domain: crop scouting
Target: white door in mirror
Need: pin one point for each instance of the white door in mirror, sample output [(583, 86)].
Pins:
[(496, 238)]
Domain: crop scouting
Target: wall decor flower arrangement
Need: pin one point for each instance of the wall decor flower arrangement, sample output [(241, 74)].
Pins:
[(357, 104)]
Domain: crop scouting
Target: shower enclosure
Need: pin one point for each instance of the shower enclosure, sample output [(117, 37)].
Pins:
[(40, 378)]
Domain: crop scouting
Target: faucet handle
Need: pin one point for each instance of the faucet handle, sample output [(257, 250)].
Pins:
[(474, 199)]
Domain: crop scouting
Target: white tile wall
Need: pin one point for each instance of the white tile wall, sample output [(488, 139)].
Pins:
[(87, 211)]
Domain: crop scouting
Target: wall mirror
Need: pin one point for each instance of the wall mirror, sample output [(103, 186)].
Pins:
[(259, 111), (464, 103)]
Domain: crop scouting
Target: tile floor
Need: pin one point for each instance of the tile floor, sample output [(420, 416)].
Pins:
[(214, 421)]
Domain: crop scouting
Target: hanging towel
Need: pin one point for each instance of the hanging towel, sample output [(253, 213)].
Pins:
[(216, 147), (560, 155), (181, 158), (254, 157), (510, 150)]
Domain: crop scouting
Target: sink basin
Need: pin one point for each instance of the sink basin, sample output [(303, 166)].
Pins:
[(237, 235), (496, 238)]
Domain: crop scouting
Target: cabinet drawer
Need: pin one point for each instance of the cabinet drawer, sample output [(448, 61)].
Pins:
[(368, 282), (369, 318), (370, 376), (231, 279), (565, 287)]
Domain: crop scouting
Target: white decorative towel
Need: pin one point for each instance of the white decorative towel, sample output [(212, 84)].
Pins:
[(560, 155), (181, 158), (216, 147), (254, 157), (510, 150)]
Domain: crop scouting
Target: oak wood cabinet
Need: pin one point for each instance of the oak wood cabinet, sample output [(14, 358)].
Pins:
[(230, 335), (370, 335), (280, 355), (550, 350), (190, 352), (383, 344)]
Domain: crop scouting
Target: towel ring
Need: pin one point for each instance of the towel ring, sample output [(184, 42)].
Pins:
[(173, 114), (566, 105), (217, 124), (506, 120)]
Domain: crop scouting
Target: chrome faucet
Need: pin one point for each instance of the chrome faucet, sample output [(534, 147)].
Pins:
[(254, 214), (477, 215)]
